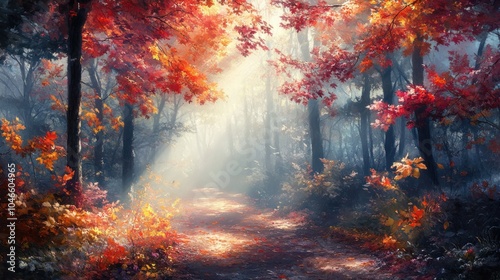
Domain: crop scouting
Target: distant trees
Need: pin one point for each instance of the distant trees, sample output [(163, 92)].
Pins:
[(361, 35), (138, 59), (152, 48)]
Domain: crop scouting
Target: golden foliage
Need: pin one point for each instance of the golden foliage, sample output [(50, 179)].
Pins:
[(408, 167)]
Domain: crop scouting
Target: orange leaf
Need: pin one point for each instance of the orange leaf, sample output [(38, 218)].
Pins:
[(446, 225)]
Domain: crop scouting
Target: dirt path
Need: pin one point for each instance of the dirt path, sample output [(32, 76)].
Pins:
[(229, 237)]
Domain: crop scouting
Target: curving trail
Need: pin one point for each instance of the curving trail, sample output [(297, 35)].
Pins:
[(229, 237)]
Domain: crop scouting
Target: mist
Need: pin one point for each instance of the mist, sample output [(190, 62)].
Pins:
[(249, 140)]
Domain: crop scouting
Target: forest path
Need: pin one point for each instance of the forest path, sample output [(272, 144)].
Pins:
[(229, 237)]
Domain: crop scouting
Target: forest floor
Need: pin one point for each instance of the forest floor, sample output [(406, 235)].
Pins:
[(228, 236)]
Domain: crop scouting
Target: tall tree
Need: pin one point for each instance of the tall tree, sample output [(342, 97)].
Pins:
[(76, 18), (382, 27), (138, 29), (364, 122), (128, 172), (389, 140), (97, 87), (422, 121), (312, 112)]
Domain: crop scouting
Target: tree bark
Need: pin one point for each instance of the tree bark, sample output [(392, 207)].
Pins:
[(278, 167), (157, 116), (99, 136), (364, 117), (402, 139), (267, 133), (128, 150), (389, 140), (77, 17), (175, 113), (27, 74), (315, 133), (313, 113), (422, 121)]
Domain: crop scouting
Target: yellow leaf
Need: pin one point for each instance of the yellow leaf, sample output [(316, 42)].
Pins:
[(147, 211), (421, 166), (406, 172), (418, 160), (389, 222), (155, 52), (416, 173)]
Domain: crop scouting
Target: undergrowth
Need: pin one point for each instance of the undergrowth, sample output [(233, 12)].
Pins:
[(104, 240), (433, 235)]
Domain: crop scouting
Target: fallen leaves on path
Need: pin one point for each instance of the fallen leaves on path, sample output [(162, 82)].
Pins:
[(229, 237)]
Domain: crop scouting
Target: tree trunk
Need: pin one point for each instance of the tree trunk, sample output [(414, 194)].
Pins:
[(389, 140), (99, 136), (175, 112), (364, 117), (230, 140), (157, 116), (76, 20), (315, 133), (267, 125), (422, 121), (402, 139), (370, 141), (341, 143), (278, 167), (247, 118), (313, 113), (27, 74), (128, 150)]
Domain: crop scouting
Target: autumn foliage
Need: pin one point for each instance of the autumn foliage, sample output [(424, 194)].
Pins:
[(44, 146), (471, 91), (406, 217), (362, 36), (93, 241)]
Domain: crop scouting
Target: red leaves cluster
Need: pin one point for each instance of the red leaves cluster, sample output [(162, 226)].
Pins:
[(416, 216), (414, 98), (113, 254), (379, 181), (472, 90), (48, 152), (60, 181), (249, 37), (386, 114), (302, 14), (377, 28), (318, 77), (460, 93), (168, 48)]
